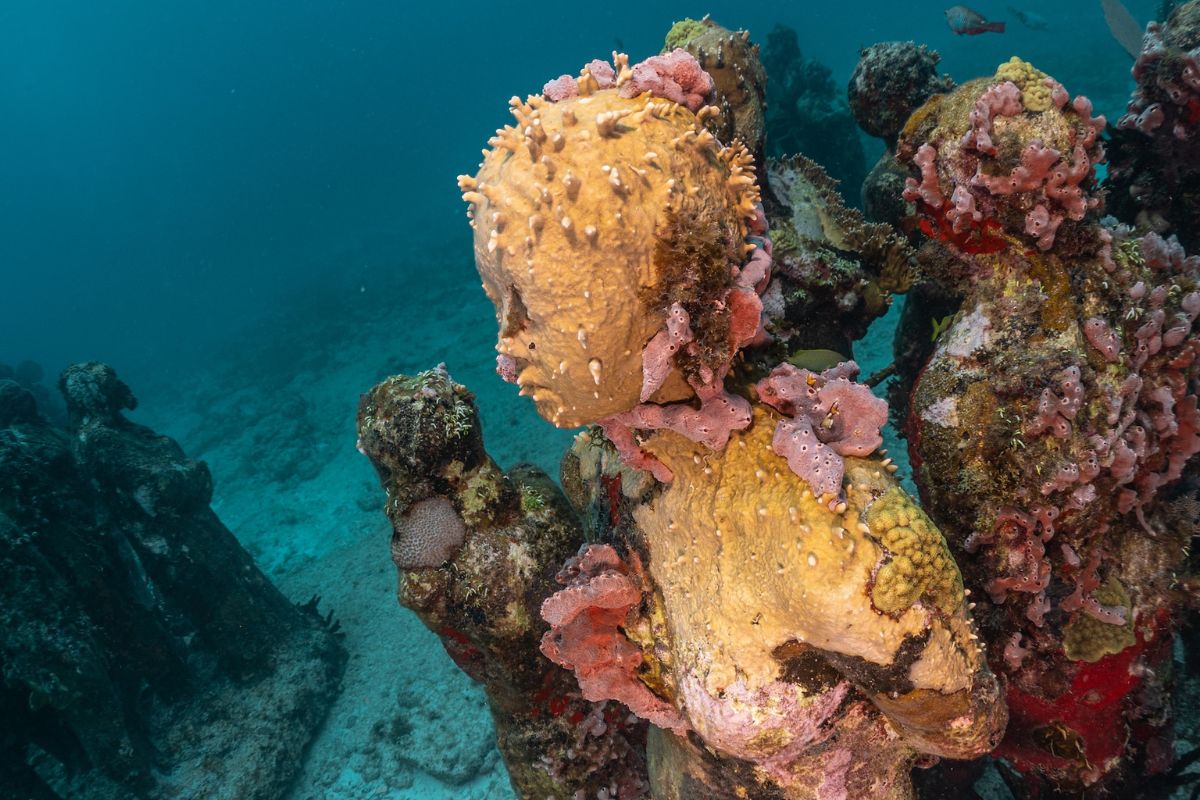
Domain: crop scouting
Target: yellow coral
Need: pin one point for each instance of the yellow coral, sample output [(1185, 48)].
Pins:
[(568, 207), (749, 562), (1035, 93), (1089, 639), (921, 566)]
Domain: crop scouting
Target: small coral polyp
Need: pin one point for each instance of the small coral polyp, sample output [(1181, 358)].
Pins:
[(1004, 159), (596, 214)]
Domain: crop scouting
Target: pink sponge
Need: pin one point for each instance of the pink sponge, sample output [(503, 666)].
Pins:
[(676, 75), (585, 634), (831, 417)]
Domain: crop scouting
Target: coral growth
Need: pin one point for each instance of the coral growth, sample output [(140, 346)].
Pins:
[(830, 417), (1154, 177), (738, 77), (483, 595), (1057, 408), (585, 634), (890, 81), (1010, 155), (833, 272)]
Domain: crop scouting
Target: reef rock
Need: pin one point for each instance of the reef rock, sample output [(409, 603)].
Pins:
[(137, 637)]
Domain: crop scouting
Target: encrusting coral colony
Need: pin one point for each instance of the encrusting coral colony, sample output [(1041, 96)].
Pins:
[(731, 596)]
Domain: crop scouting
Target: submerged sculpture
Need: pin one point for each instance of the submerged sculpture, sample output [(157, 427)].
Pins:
[(754, 583), (134, 627), (745, 603), (1052, 425)]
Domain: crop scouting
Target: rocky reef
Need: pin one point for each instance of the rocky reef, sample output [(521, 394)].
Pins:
[(137, 638)]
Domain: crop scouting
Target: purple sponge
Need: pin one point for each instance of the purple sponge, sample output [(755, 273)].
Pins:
[(831, 416)]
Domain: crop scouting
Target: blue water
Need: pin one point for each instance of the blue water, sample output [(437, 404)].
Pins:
[(173, 171)]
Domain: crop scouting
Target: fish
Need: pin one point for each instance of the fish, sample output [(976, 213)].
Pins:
[(1031, 20), (966, 22)]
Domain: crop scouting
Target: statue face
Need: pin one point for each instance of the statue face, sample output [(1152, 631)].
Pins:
[(564, 245), (569, 208), (574, 347)]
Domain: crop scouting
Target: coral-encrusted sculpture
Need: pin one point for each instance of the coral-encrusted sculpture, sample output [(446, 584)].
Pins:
[(788, 632), (833, 273), (738, 77), (637, 193), (1008, 154), (1154, 173), (890, 81), (503, 536), (1053, 421)]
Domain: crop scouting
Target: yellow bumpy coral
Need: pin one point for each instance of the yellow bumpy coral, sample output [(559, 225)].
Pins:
[(568, 208), (921, 566), (1035, 92), (1089, 639)]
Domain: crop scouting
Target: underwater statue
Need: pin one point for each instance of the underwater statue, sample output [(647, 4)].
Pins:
[(1051, 428), (732, 596), (1154, 163), (739, 566)]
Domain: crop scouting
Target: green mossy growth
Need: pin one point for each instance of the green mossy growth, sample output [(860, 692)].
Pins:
[(683, 32)]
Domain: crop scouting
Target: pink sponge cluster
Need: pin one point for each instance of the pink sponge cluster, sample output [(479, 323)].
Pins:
[(830, 416), (719, 413), (585, 634), (1167, 99), (1047, 185), (675, 76), (565, 86), (1056, 410), (1024, 567), (1142, 421), (1051, 177)]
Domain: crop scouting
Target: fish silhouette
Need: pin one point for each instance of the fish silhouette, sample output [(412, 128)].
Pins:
[(966, 22), (1030, 19)]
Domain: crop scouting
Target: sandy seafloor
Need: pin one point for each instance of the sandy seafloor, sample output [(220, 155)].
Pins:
[(273, 415)]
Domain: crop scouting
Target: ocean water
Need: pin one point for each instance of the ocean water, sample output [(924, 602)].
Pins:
[(249, 210)]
